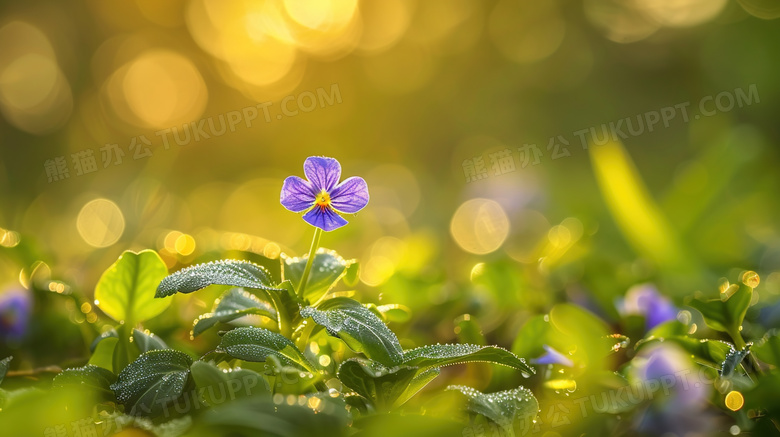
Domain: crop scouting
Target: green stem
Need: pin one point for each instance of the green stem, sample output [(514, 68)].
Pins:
[(315, 243)]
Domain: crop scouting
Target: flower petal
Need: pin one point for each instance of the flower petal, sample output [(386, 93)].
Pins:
[(350, 196), (297, 195), (323, 173), (552, 356), (324, 218)]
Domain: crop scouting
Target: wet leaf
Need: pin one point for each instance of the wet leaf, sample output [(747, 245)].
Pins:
[(148, 385), (733, 359), (145, 341), (383, 386), (216, 385), (361, 329), (89, 377), (511, 409), (233, 304), (235, 273), (256, 344), (448, 354), (326, 270), (4, 364)]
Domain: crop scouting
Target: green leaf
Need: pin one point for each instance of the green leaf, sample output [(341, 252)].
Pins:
[(582, 331), (326, 270), (359, 328), (215, 385), (89, 377), (440, 355), (381, 385), (4, 363), (233, 304), (418, 383), (126, 290), (148, 385), (255, 344), (510, 409), (103, 356), (532, 337), (352, 275), (231, 272), (768, 349), (145, 341), (108, 334), (726, 314), (733, 359)]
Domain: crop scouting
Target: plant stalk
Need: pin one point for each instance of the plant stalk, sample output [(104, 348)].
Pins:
[(315, 244)]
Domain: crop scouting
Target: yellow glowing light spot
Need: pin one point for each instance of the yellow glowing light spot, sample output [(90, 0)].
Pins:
[(377, 270), (100, 223), (324, 360), (35, 96), (477, 271), (314, 14), (86, 307), (620, 21), (158, 89), (291, 399), (9, 238), (723, 285), (169, 242), (272, 251), (28, 80), (751, 279), (727, 293), (314, 403), (734, 400), (185, 245), (681, 13), (314, 347), (479, 226), (561, 384)]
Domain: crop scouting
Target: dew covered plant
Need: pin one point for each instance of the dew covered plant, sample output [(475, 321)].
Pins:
[(293, 350)]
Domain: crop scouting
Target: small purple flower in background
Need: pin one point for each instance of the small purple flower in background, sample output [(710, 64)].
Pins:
[(15, 307), (322, 197), (645, 300), (678, 392), (552, 356)]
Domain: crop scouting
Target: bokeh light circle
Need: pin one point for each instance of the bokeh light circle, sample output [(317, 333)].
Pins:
[(100, 223), (480, 226)]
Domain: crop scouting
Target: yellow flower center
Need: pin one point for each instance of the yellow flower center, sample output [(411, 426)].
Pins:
[(323, 200)]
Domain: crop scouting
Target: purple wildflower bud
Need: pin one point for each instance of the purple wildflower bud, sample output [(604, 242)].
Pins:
[(322, 198), (645, 300), (552, 356), (15, 307)]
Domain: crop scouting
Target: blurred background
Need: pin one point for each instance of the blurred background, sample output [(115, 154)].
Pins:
[(498, 187)]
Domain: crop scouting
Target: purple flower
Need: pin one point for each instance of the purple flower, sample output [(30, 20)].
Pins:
[(322, 197), (552, 356), (664, 374), (645, 300), (15, 307)]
